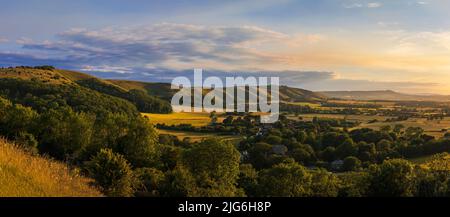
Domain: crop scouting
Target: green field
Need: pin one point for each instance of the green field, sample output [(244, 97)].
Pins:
[(422, 160), (195, 137)]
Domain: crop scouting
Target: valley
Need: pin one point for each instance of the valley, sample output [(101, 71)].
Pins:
[(87, 122)]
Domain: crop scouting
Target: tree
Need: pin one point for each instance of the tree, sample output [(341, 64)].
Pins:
[(15, 118), (150, 181), (112, 173), (329, 154), (64, 133), (273, 140), (393, 178), (351, 164), (366, 151), (215, 166), (259, 155), (398, 129), (228, 120), (248, 179), (28, 142), (301, 136), (213, 117), (324, 184), (179, 182), (383, 146), (303, 154), (347, 148), (285, 180), (432, 183), (353, 184), (139, 146)]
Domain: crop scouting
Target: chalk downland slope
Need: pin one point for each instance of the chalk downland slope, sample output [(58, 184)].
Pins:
[(24, 175), (164, 91)]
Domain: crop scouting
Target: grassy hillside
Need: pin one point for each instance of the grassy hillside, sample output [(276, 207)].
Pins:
[(162, 90), (23, 175)]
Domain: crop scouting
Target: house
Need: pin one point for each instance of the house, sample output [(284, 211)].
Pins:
[(337, 164)]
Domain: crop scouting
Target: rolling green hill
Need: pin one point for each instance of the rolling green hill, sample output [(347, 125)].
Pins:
[(163, 91), (45, 81)]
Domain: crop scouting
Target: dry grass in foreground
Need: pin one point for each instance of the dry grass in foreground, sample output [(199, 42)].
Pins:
[(24, 175)]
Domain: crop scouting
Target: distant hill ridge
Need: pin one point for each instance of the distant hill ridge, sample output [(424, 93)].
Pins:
[(164, 91), (148, 95), (383, 95)]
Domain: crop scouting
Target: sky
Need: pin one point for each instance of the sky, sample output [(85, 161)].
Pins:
[(401, 45)]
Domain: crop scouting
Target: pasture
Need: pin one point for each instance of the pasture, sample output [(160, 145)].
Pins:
[(196, 137)]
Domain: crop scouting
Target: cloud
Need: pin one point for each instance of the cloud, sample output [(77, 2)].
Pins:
[(374, 5), (419, 43), (363, 5), (156, 44), (422, 2), (165, 46), (3, 40), (163, 51), (290, 78)]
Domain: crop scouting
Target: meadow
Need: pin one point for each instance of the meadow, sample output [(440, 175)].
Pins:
[(25, 175), (197, 137)]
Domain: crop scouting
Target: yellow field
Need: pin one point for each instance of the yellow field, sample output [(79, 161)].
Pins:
[(23, 175), (195, 119)]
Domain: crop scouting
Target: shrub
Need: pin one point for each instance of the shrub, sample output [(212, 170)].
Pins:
[(112, 173)]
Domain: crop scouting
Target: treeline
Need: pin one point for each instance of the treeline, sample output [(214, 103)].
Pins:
[(305, 109), (351, 105), (44, 67)]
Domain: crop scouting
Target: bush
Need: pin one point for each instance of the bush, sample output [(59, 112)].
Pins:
[(150, 181), (112, 173), (285, 180), (215, 166), (393, 178), (351, 164), (27, 142)]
